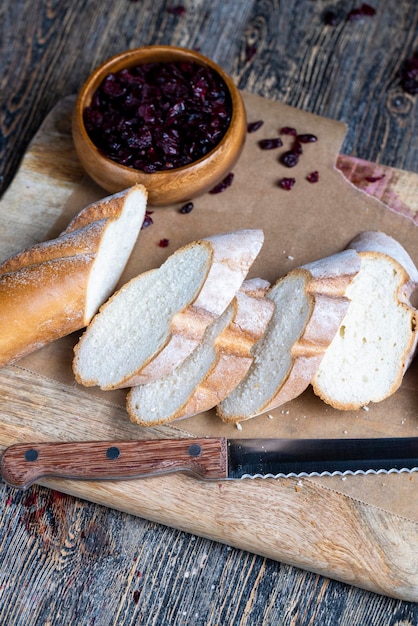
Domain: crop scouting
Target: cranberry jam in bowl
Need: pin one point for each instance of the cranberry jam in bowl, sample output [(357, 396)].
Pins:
[(166, 117)]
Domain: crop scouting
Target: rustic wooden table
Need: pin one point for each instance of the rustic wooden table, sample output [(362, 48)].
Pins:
[(66, 561)]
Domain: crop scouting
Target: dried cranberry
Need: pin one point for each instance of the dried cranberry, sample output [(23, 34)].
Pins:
[(187, 208), (178, 10), (250, 51), (313, 177), (112, 87), (93, 119), (365, 10), (147, 219), (288, 130), (297, 147), (287, 183), (163, 243), (159, 116), (290, 158), (254, 126), (270, 144), (307, 138), (223, 185)]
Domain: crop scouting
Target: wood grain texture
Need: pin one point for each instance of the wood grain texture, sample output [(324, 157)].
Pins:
[(77, 564), (64, 560), (281, 50), (303, 523), (22, 464)]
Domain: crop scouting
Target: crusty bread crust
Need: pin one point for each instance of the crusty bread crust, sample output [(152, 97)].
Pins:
[(234, 353), (231, 256), (108, 208), (32, 316), (377, 241), (251, 313), (325, 283), (399, 301), (80, 242), (308, 351), (43, 288)]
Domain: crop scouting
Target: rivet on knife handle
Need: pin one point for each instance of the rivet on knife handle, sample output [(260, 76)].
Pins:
[(24, 464)]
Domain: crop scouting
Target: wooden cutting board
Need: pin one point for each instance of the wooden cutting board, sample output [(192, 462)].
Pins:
[(362, 531)]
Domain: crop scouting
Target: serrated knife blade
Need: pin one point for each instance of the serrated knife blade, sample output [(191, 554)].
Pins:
[(210, 458)]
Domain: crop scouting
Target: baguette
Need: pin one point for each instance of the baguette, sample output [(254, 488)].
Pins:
[(158, 318), (377, 338), (310, 303), (54, 288), (213, 369)]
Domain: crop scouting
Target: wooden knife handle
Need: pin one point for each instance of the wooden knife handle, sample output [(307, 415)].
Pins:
[(23, 464)]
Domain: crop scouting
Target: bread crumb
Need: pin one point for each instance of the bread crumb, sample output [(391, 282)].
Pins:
[(238, 425), (288, 256), (271, 417), (345, 432), (365, 408), (343, 477)]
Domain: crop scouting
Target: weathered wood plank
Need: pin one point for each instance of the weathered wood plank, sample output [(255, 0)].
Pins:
[(71, 562), (281, 50), (65, 562)]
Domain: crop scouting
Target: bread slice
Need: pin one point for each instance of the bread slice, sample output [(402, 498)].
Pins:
[(377, 338), (377, 241), (310, 303), (158, 318), (213, 369), (54, 288)]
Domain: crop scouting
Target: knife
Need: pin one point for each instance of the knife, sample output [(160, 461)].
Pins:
[(210, 458)]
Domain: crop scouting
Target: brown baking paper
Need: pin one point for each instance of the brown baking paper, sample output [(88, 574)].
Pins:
[(301, 225)]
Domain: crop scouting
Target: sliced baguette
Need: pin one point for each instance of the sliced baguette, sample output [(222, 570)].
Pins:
[(158, 318), (54, 288), (310, 303), (377, 338), (377, 241), (213, 369)]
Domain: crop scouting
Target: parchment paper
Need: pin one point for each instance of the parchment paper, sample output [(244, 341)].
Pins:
[(301, 225)]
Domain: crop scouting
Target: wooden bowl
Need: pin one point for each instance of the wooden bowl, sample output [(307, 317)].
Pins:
[(168, 186)]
